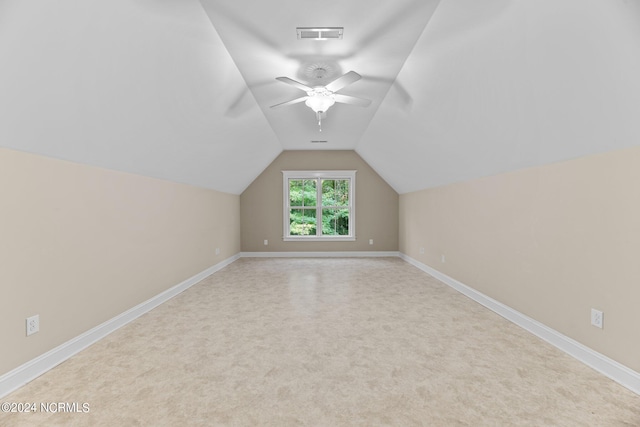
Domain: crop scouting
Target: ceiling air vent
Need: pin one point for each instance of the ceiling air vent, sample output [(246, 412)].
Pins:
[(315, 141), (317, 33)]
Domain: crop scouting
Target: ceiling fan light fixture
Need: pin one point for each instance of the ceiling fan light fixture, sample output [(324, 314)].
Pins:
[(320, 103)]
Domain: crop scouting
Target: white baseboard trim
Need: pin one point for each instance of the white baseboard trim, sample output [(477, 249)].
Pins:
[(601, 363), (21, 375), (327, 254)]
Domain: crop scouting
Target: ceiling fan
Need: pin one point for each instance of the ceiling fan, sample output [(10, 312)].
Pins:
[(321, 98)]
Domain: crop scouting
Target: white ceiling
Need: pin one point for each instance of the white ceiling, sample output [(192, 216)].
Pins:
[(141, 86), (181, 89), (501, 85), (264, 45)]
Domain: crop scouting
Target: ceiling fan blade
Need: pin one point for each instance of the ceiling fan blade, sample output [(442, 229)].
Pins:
[(400, 91), (346, 99), (235, 107), (294, 83), (343, 81), (293, 101)]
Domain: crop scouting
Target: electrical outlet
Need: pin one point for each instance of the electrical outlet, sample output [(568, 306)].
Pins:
[(217, 251), (371, 241), (421, 251), (33, 324), (443, 259), (597, 318), (266, 242)]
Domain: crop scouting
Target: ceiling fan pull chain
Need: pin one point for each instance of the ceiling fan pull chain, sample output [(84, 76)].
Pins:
[(319, 115)]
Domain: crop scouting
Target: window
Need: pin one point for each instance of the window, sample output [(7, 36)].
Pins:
[(319, 205)]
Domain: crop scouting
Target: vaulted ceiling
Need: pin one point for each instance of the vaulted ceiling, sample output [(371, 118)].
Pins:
[(181, 89), (264, 45)]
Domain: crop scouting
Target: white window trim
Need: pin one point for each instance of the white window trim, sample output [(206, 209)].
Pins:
[(330, 174)]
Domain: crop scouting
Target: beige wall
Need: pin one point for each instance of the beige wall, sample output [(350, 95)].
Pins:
[(80, 245), (551, 242), (261, 207)]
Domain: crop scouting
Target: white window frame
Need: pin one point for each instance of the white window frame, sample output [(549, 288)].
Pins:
[(349, 175)]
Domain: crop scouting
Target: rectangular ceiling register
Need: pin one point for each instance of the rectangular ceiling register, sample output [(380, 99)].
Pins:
[(318, 33)]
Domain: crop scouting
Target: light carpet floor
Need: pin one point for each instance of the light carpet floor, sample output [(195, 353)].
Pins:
[(325, 342)]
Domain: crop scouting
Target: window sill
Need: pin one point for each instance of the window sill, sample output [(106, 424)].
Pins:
[(319, 239)]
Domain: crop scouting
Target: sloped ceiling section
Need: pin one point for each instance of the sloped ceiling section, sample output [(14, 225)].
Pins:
[(142, 86), (500, 85)]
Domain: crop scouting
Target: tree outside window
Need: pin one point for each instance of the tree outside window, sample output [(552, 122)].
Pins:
[(319, 205)]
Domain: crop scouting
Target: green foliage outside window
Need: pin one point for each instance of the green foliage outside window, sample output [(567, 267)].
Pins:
[(303, 197)]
